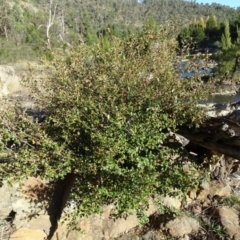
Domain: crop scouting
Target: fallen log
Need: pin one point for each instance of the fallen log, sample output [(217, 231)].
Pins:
[(219, 134)]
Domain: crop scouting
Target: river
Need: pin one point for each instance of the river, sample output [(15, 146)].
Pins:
[(224, 98)]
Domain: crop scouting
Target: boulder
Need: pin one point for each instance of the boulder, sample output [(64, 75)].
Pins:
[(9, 81), (182, 226), (230, 220), (215, 188)]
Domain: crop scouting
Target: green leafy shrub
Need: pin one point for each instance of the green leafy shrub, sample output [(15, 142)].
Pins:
[(109, 112)]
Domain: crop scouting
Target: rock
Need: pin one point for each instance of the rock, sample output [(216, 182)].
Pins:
[(34, 200), (186, 237), (41, 222), (230, 221), (182, 140), (205, 185), (197, 209), (6, 228), (182, 226), (215, 188), (31, 201), (9, 81), (129, 237), (171, 202), (152, 208), (187, 201), (192, 194), (98, 227), (203, 194), (206, 203), (220, 189), (28, 234), (6, 199), (148, 236)]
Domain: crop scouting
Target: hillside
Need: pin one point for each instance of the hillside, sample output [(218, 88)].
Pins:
[(24, 24)]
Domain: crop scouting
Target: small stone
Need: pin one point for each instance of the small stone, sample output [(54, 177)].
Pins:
[(148, 236), (192, 194), (187, 201), (205, 185), (203, 194)]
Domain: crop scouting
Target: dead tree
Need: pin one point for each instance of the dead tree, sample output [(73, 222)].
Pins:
[(51, 16)]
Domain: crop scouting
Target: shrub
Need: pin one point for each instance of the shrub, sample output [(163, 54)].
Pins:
[(109, 112)]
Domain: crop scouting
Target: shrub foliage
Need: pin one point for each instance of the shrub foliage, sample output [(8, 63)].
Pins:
[(109, 112)]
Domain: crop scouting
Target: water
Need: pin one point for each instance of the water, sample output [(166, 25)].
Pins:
[(202, 68), (227, 98), (224, 98), (201, 71), (206, 69)]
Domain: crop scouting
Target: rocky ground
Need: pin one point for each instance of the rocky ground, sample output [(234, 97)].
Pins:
[(211, 212)]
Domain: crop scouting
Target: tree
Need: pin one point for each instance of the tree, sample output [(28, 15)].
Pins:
[(88, 30), (211, 22), (238, 35), (211, 27), (107, 118), (51, 17), (7, 19), (226, 38), (198, 34), (228, 63), (5, 22), (184, 38), (201, 23)]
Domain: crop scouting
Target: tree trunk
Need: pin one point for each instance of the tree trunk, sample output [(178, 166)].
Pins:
[(68, 183)]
